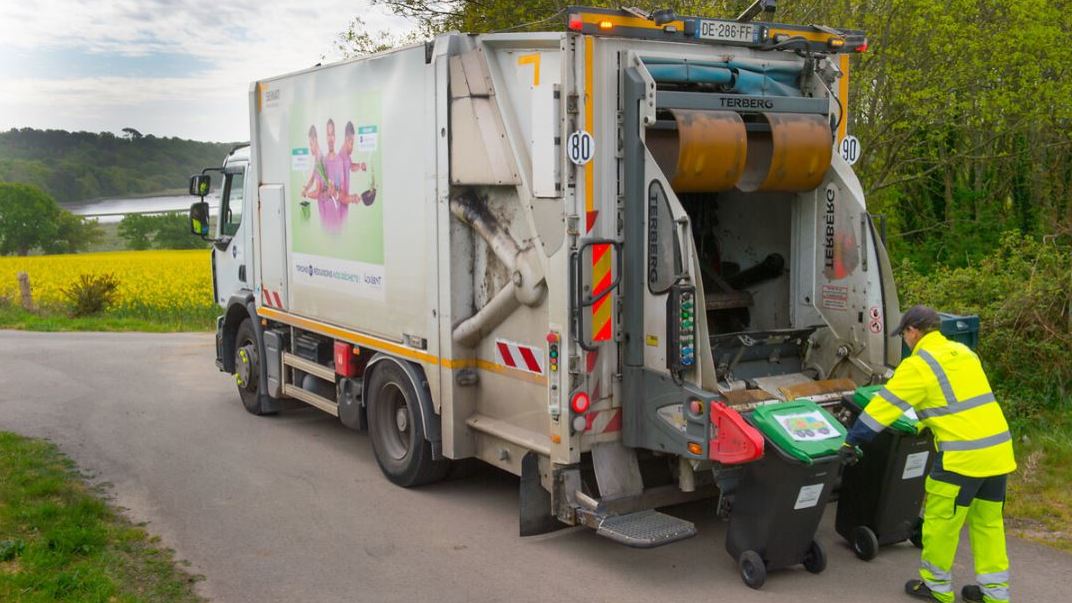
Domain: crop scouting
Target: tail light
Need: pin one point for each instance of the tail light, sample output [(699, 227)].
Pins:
[(580, 403)]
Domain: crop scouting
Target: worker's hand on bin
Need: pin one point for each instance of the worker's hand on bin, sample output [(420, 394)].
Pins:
[(849, 454)]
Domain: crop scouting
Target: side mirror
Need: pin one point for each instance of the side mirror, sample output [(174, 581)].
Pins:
[(200, 185), (199, 216)]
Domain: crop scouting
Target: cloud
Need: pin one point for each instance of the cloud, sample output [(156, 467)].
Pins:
[(128, 58)]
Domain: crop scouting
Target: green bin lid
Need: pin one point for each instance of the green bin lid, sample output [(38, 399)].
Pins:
[(906, 423), (801, 429)]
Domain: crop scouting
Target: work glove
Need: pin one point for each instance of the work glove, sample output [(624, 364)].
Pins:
[(849, 454)]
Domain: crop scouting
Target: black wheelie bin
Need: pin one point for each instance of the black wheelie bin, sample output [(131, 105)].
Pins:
[(779, 500), (881, 496)]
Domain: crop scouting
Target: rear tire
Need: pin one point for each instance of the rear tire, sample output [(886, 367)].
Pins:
[(753, 570), (815, 558), (247, 363), (397, 431), (864, 543)]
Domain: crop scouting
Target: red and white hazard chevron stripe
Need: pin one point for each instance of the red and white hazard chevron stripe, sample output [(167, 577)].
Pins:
[(519, 356), (603, 421), (271, 298)]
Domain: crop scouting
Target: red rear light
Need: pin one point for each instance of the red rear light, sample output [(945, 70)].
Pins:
[(861, 47), (580, 402), (575, 23)]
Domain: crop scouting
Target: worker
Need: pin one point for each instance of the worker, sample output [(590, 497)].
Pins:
[(943, 383)]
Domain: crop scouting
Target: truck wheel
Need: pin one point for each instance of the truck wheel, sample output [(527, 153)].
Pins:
[(864, 543), (398, 438), (247, 362), (753, 570), (815, 558)]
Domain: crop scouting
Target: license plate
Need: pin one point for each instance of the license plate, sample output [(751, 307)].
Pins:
[(726, 31)]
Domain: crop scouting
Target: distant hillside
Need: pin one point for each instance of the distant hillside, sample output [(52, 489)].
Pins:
[(76, 166)]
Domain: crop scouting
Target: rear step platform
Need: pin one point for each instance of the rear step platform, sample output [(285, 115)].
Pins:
[(645, 529)]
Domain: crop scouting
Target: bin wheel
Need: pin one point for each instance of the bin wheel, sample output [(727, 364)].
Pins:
[(753, 570), (815, 558), (864, 543), (916, 536)]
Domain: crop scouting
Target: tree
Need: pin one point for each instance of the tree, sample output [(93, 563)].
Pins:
[(137, 229), (73, 234), (173, 232), (28, 218), (131, 134), (164, 231)]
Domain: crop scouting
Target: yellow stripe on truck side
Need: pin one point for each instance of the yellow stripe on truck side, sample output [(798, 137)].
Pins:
[(390, 347)]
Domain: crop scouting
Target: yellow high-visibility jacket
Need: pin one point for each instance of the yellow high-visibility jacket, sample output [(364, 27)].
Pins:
[(944, 383)]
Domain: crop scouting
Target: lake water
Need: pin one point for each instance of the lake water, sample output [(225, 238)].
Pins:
[(113, 210)]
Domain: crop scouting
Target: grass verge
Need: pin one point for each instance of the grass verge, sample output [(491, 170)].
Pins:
[(60, 542), (13, 317), (1039, 503)]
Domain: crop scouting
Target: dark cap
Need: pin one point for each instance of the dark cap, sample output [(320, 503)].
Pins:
[(921, 317)]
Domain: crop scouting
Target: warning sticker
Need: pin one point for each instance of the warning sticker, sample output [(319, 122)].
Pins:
[(915, 465), (808, 496), (834, 297), (807, 427)]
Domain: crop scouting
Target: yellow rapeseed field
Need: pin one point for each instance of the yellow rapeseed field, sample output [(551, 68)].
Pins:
[(151, 283)]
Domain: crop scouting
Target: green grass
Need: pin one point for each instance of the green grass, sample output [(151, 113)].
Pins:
[(59, 541), (13, 317), (1039, 503)]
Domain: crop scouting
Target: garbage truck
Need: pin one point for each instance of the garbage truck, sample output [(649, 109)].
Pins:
[(583, 256)]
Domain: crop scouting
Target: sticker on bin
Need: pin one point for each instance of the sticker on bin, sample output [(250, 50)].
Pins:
[(808, 496), (807, 427), (915, 465)]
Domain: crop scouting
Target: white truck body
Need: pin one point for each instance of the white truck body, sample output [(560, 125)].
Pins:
[(497, 181)]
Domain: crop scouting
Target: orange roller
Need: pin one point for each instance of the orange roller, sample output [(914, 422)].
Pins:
[(706, 153), (793, 156)]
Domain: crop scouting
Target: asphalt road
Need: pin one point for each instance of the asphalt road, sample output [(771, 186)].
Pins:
[(294, 508)]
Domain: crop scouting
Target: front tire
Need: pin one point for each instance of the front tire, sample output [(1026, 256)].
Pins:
[(247, 363), (397, 431)]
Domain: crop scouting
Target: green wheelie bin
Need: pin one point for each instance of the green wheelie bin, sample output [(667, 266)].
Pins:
[(779, 500), (881, 496)]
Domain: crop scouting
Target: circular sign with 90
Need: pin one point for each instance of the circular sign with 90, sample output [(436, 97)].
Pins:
[(850, 149), (580, 147)]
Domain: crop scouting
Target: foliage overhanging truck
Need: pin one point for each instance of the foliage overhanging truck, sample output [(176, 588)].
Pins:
[(582, 256)]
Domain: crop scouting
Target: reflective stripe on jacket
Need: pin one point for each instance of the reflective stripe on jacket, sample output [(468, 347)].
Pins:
[(944, 383)]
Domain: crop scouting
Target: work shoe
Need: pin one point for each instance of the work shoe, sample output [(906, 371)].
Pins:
[(971, 594), (919, 590)]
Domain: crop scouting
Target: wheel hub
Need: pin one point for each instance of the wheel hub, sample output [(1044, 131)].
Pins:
[(246, 366), (401, 419)]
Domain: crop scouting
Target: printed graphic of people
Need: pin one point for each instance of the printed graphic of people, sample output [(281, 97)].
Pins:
[(317, 178), (331, 201), (350, 165)]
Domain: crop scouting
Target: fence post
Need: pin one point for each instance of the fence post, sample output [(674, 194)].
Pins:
[(24, 291)]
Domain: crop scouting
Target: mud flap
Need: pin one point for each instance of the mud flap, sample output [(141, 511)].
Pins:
[(534, 503)]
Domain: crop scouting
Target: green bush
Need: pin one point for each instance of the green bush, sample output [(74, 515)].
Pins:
[(92, 294), (1022, 292)]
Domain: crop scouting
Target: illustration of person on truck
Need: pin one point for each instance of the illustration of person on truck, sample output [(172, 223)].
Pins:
[(316, 180), (346, 152)]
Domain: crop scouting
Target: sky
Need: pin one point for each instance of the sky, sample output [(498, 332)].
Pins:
[(164, 67)]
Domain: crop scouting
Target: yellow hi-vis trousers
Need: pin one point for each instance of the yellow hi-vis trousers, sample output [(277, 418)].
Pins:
[(953, 499)]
